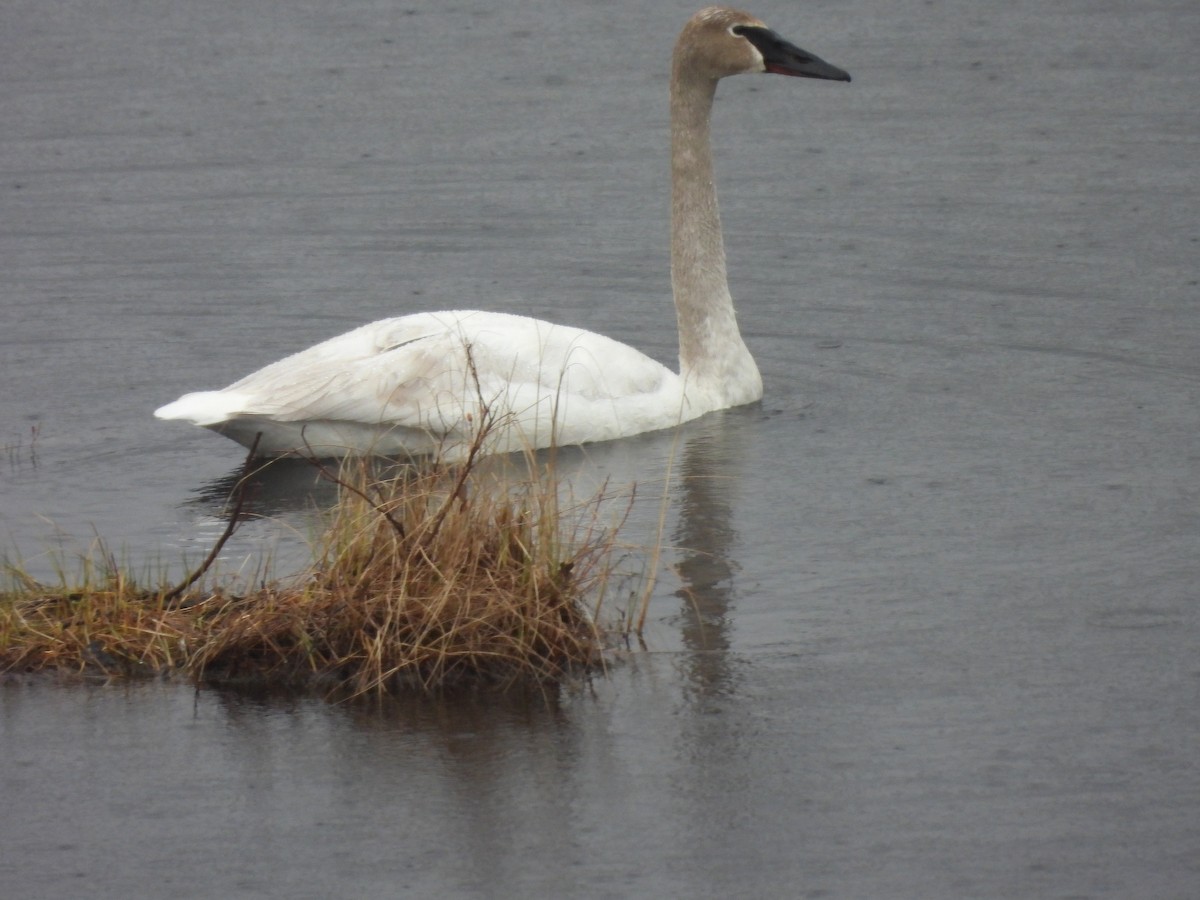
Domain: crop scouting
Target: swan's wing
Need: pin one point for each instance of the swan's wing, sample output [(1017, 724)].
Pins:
[(436, 372), (388, 371)]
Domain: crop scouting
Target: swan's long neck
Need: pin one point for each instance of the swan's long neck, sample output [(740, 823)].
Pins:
[(713, 359)]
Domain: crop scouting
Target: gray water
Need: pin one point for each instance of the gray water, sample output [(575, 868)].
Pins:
[(926, 621)]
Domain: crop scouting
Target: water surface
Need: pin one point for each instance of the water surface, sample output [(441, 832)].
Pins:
[(926, 619)]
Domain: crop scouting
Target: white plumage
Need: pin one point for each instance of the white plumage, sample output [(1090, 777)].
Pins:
[(421, 384)]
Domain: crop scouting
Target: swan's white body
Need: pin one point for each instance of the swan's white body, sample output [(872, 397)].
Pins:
[(427, 383)]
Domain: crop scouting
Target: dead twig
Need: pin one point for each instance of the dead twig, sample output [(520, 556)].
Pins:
[(239, 500)]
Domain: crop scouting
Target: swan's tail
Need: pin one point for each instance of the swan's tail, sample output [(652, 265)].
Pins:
[(204, 408)]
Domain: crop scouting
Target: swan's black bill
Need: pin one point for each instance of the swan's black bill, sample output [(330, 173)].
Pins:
[(784, 58)]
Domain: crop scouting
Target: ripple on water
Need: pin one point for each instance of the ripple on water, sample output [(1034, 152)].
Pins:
[(1137, 617)]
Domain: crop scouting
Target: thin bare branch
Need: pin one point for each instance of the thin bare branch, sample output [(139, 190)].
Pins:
[(239, 500)]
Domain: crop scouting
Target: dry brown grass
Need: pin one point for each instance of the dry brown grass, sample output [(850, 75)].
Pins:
[(434, 577)]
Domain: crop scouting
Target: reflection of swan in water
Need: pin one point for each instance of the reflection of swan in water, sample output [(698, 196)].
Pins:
[(705, 535), (285, 485), (425, 382), (292, 485)]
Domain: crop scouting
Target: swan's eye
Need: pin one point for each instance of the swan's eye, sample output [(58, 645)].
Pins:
[(737, 30)]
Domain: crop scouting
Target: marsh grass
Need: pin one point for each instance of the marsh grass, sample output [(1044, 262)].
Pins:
[(429, 577)]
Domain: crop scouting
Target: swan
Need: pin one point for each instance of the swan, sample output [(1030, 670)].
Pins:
[(429, 382)]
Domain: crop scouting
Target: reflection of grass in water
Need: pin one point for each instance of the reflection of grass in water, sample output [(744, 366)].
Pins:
[(18, 451), (438, 576)]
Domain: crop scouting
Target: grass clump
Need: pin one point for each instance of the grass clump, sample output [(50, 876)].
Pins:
[(432, 577)]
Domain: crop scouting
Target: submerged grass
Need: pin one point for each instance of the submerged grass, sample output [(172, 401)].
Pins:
[(431, 577)]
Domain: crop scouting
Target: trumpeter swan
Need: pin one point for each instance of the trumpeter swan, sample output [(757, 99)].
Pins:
[(426, 382)]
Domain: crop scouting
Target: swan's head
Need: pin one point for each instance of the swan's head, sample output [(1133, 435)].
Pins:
[(718, 41)]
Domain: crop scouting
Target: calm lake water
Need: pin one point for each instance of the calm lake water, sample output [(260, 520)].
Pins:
[(926, 621)]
